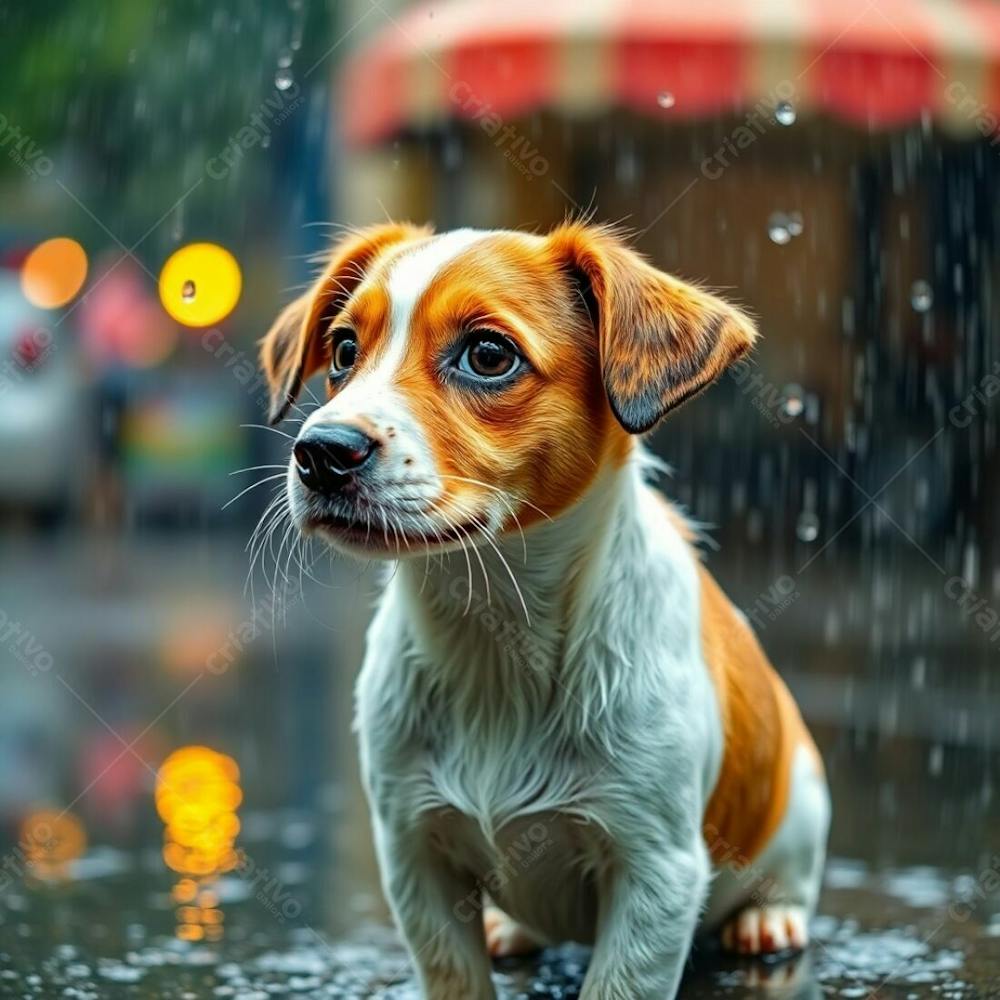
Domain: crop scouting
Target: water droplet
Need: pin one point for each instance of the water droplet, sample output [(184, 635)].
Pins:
[(283, 79), (777, 228), (188, 291), (665, 99), (921, 296), (793, 403), (285, 58), (807, 526), (794, 224), (784, 114)]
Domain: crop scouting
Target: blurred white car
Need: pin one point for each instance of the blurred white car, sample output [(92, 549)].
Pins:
[(43, 410)]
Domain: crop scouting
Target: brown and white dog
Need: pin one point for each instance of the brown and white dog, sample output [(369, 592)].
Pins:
[(567, 731)]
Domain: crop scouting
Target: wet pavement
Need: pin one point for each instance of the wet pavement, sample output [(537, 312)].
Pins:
[(108, 931), (151, 655)]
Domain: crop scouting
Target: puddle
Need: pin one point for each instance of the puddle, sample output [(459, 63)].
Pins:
[(126, 948)]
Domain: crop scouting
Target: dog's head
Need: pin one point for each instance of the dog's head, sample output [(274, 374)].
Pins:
[(477, 380)]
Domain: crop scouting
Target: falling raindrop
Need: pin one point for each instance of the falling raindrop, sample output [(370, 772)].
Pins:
[(665, 99), (792, 402), (283, 79), (188, 291), (285, 58), (777, 228), (812, 408), (794, 224), (451, 154), (807, 527), (921, 296), (784, 114)]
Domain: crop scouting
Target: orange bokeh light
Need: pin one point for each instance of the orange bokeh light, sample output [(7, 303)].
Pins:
[(51, 840), (54, 272)]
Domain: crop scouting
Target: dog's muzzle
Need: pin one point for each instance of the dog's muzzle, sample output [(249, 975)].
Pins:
[(329, 457)]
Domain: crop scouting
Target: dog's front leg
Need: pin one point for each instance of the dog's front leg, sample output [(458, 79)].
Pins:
[(651, 895), (439, 912)]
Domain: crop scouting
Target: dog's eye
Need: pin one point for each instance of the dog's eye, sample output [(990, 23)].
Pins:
[(345, 352), (489, 355)]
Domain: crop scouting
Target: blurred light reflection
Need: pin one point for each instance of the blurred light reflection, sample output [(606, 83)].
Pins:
[(54, 272), (197, 795), (51, 841), (200, 284)]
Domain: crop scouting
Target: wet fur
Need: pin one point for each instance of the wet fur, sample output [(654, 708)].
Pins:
[(584, 715)]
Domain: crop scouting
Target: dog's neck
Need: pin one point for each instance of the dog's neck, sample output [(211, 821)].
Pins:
[(533, 582)]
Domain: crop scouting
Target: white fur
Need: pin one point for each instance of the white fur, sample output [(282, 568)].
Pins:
[(562, 770), (406, 481)]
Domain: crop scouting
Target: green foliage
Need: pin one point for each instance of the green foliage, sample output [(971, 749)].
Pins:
[(131, 98)]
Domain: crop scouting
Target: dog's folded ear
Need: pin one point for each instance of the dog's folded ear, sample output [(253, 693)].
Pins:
[(661, 340), (294, 348)]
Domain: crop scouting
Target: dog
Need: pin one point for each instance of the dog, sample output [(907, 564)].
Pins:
[(567, 732)]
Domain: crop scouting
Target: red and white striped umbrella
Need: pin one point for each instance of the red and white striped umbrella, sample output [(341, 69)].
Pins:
[(876, 62)]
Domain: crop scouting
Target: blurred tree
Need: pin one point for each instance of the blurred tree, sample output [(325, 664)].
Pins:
[(135, 102)]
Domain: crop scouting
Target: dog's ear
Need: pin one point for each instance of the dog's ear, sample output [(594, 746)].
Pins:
[(294, 348), (661, 340)]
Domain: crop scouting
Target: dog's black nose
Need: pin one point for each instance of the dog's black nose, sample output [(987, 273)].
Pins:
[(326, 457)]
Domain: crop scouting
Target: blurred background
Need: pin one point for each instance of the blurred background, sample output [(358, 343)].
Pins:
[(167, 170)]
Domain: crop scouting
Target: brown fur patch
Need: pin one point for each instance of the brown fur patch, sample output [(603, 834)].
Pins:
[(594, 373), (662, 340), (762, 730), (543, 437), (294, 348)]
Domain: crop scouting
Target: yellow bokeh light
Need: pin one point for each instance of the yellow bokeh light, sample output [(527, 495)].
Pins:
[(197, 794), (54, 272), (200, 284)]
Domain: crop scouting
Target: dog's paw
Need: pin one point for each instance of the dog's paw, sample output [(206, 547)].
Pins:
[(505, 937), (762, 930)]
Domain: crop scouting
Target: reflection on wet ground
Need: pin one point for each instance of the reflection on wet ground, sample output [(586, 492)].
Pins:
[(180, 814), (290, 932)]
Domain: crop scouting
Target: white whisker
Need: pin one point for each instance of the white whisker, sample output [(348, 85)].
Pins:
[(485, 532), (257, 468), (253, 486), (273, 430)]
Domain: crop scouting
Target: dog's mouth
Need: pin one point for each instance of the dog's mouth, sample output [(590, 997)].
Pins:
[(378, 531)]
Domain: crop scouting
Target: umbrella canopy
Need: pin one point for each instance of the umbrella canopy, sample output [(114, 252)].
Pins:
[(875, 62)]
